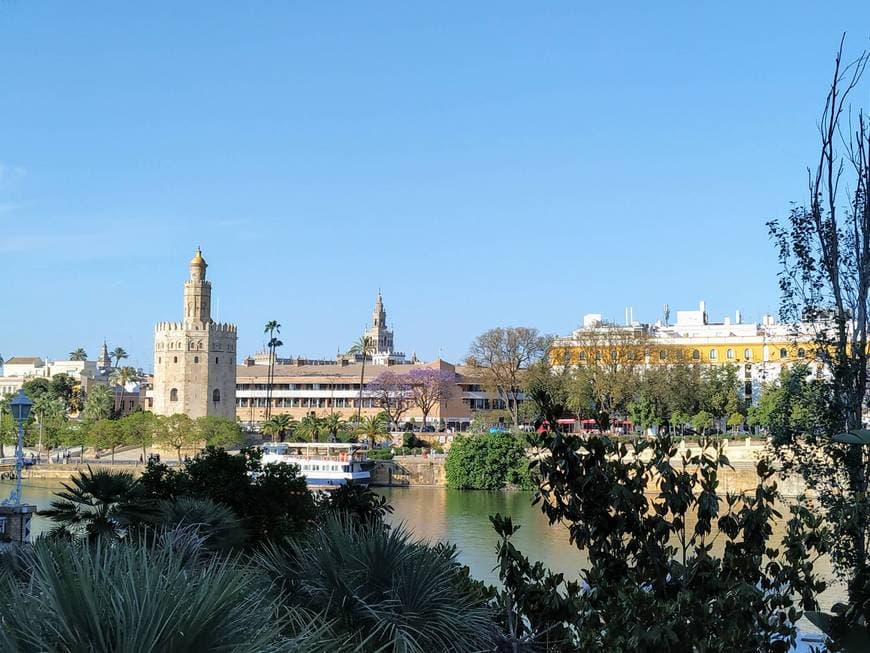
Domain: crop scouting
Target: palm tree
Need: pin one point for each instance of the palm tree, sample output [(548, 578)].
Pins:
[(364, 347), (384, 588), (333, 424), (372, 428), (278, 425), (121, 376), (272, 327), (118, 354), (311, 428), (78, 355), (98, 504)]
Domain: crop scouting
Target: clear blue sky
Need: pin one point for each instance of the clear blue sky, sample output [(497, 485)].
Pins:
[(482, 163)]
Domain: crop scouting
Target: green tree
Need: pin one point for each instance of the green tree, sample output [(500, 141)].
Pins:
[(121, 377), (701, 421), (118, 354), (363, 347), (63, 387), (96, 504), (272, 327), (735, 421), (36, 388), (722, 391), (333, 425), (278, 425), (176, 431), (107, 434), (311, 429), (372, 429), (138, 429), (490, 461), (99, 403), (78, 355), (218, 431)]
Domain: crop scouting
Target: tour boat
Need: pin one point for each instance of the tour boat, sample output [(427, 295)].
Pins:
[(323, 464)]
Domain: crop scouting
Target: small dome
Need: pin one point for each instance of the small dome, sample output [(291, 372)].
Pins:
[(197, 258)]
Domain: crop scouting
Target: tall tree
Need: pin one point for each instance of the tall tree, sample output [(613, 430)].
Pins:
[(78, 355), (372, 428), (121, 377), (272, 327), (99, 403), (393, 393), (363, 347), (824, 252), (176, 431), (118, 354), (502, 355), (430, 388), (278, 425)]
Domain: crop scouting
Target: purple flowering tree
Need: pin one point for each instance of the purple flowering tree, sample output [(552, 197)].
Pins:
[(430, 387), (392, 392)]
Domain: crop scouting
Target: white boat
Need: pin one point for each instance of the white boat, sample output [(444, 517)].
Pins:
[(323, 464)]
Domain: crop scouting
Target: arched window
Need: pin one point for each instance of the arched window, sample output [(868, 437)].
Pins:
[(729, 354), (598, 355), (175, 359), (173, 394), (196, 359), (714, 354), (613, 355), (747, 353), (160, 359), (783, 353), (582, 355), (215, 360), (663, 355), (216, 396), (801, 352), (696, 355)]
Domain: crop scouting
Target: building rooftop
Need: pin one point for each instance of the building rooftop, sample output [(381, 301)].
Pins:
[(25, 360)]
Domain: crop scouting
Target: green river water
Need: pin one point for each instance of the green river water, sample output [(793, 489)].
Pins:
[(462, 518)]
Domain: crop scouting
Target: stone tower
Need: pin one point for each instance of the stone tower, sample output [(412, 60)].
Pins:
[(104, 363), (195, 359)]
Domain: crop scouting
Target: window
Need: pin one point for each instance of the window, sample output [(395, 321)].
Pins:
[(613, 355), (783, 353), (663, 355), (175, 359), (713, 354), (215, 360), (598, 355), (729, 354), (747, 353), (582, 355), (160, 359), (696, 355), (216, 396), (173, 394), (801, 352), (196, 359)]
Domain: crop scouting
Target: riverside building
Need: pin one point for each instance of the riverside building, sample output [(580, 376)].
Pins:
[(760, 350)]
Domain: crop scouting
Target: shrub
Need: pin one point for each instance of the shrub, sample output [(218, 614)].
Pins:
[(380, 454), (489, 461)]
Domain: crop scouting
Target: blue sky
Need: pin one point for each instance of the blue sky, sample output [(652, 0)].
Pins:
[(483, 163)]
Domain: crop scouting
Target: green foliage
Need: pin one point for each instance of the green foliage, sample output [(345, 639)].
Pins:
[(127, 599), (97, 505), (380, 454), (355, 502), (219, 527), (272, 501), (219, 431), (176, 431), (99, 403), (382, 589), (489, 461)]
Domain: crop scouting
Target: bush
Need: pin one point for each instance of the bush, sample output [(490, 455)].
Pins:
[(380, 454), (408, 440), (490, 461)]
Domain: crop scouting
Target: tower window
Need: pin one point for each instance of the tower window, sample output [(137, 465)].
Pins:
[(215, 360), (173, 394), (175, 359), (160, 359), (216, 396), (196, 359)]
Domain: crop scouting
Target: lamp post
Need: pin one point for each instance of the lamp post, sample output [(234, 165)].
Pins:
[(20, 408)]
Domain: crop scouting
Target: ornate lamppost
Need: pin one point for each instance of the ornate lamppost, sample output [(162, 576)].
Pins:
[(20, 407)]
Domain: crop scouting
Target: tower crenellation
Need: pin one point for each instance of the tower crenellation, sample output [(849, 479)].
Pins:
[(194, 359)]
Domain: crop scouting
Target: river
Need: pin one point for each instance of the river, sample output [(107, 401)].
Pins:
[(439, 514)]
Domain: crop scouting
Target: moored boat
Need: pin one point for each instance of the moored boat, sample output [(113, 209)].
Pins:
[(323, 464)]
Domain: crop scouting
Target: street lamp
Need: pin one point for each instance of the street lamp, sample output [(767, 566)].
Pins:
[(20, 407)]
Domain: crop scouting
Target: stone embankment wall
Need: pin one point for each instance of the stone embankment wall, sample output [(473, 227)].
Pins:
[(64, 472), (409, 471)]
